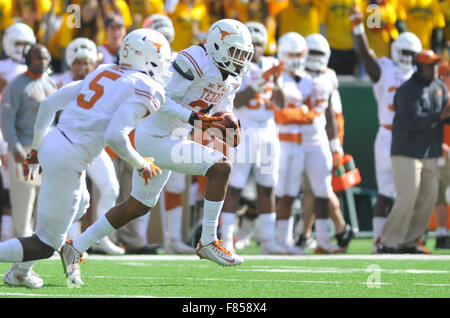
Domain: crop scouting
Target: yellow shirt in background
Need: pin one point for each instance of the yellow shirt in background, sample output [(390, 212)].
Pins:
[(187, 22), (337, 23), (300, 16), (380, 37), (6, 14), (421, 17)]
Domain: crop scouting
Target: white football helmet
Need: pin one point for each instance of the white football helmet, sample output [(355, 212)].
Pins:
[(406, 41), (81, 48), (258, 32), (148, 51), (289, 44), (17, 32), (162, 24), (318, 43), (229, 44)]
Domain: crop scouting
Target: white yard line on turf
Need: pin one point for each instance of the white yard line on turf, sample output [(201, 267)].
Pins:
[(74, 296), (418, 257)]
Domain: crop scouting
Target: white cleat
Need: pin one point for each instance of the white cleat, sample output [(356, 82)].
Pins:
[(71, 260), (217, 253), (105, 246), (177, 247), (271, 247), (14, 277)]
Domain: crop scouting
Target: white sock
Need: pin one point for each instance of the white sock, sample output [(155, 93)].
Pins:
[(94, 233), (143, 225), (284, 231), (74, 230), (211, 212), (377, 226), (227, 227), (267, 224), (323, 237), (441, 231), (25, 267), (174, 222), (11, 251), (7, 227)]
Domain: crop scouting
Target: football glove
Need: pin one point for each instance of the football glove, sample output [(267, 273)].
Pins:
[(206, 120), (31, 165), (149, 170), (338, 153)]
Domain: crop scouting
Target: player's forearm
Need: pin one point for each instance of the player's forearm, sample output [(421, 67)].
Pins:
[(174, 110), (367, 56)]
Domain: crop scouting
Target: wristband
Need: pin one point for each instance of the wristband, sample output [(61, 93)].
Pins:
[(358, 29)]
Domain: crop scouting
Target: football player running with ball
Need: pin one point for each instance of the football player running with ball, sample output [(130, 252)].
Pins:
[(98, 111), (204, 77)]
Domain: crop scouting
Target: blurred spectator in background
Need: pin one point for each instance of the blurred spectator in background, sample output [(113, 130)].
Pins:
[(117, 7), (300, 16), (338, 30), (115, 31), (20, 103), (140, 9), (379, 18), (425, 19), (445, 7), (191, 22), (6, 14), (91, 27)]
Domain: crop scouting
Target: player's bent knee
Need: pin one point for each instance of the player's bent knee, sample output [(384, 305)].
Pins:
[(220, 169)]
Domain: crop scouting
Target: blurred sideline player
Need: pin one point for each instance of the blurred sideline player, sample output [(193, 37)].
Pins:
[(297, 88), (303, 231), (320, 137), (203, 77), (105, 107), (386, 74), (15, 38), (261, 148), (81, 57), (176, 184)]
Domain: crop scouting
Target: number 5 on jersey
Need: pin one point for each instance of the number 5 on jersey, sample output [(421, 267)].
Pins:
[(97, 88)]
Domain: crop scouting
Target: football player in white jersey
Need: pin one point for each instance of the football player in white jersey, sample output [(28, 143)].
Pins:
[(15, 40), (176, 184), (102, 109), (320, 137), (386, 74), (204, 77), (81, 56), (297, 88), (253, 104)]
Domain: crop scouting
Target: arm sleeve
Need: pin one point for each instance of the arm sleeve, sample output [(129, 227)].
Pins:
[(408, 109), (9, 106), (124, 120), (48, 108)]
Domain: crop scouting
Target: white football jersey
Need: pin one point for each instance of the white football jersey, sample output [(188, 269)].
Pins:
[(324, 84), (391, 78), (85, 119), (108, 58), (259, 107), (10, 69), (296, 94), (207, 87)]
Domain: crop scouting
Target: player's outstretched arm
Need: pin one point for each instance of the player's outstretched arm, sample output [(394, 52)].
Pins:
[(49, 107), (367, 55)]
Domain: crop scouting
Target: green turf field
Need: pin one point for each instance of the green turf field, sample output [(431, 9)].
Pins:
[(354, 275)]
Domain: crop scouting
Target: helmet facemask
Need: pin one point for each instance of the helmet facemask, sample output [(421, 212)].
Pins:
[(237, 61), (316, 60)]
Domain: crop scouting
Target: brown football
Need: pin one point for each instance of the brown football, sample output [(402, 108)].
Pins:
[(230, 120)]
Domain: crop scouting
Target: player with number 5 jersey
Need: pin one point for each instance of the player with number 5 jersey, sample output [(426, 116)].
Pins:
[(98, 111)]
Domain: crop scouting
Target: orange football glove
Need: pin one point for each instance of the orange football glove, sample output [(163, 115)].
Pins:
[(203, 120), (149, 170), (31, 165)]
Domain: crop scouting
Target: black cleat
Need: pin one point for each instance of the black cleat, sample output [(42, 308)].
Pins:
[(443, 242), (344, 238)]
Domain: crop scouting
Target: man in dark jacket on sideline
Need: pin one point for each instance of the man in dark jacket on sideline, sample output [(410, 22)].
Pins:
[(420, 113)]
